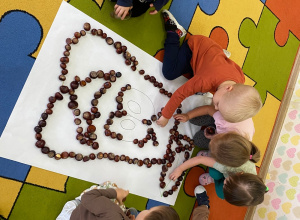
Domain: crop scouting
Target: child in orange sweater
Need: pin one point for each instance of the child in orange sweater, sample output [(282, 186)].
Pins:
[(212, 72)]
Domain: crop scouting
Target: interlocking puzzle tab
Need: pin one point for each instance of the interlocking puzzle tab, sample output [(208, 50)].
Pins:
[(177, 7), (287, 11), (265, 59)]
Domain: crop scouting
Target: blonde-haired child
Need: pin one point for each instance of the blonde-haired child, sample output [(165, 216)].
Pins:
[(230, 153), (212, 72)]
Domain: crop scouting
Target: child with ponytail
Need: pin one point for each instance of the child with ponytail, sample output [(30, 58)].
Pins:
[(230, 153)]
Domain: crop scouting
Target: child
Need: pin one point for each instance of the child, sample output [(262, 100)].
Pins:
[(212, 72), (230, 153), (215, 119), (105, 201), (201, 212), (138, 7), (244, 189)]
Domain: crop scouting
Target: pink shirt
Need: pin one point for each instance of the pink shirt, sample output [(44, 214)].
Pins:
[(244, 128)]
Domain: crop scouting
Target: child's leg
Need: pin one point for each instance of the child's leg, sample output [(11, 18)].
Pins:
[(203, 120), (200, 140), (219, 181), (176, 59), (139, 8)]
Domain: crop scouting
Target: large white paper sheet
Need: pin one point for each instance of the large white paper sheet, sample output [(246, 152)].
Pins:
[(142, 101)]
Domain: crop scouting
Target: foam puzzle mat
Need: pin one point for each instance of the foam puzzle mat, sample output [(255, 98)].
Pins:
[(262, 36)]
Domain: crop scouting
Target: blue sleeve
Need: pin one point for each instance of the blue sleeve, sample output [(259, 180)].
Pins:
[(158, 4), (124, 3)]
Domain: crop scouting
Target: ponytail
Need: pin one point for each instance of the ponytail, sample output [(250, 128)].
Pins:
[(254, 153)]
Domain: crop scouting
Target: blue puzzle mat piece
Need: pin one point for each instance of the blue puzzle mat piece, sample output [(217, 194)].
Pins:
[(152, 203), (184, 19), (13, 170), (20, 35)]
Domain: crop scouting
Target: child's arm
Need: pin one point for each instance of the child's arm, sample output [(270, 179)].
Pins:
[(158, 4), (199, 111), (162, 121), (207, 161)]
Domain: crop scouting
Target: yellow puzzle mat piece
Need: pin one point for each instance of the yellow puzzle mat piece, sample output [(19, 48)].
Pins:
[(9, 191), (224, 18), (46, 179)]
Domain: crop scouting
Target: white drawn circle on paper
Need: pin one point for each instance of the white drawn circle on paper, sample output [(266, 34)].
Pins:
[(134, 107), (127, 124)]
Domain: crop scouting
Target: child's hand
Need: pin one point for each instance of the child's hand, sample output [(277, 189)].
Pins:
[(175, 174), (209, 132), (122, 11), (162, 121), (152, 12), (131, 217), (121, 195), (182, 117)]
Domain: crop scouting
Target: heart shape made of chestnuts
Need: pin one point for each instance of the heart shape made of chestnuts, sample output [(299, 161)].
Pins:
[(88, 136)]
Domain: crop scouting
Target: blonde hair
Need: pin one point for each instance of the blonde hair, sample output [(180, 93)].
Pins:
[(244, 189), (232, 149), (242, 102)]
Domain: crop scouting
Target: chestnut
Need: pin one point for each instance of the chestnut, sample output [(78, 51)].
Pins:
[(109, 40), (42, 123), (103, 90), (45, 150), (92, 156), (86, 26), (107, 85), (95, 145), (132, 67), (118, 74), (119, 99), (51, 153), (119, 136), (68, 41), (124, 48), (62, 78), (99, 32), (76, 112), (83, 33), (127, 62), (68, 47), (64, 155), (162, 185), (119, 51), (79, 157), (91, 128), (86, 159), (93, 74), (57, 156), (86, 115), (100, 73), (165, 194), (118, 45), (100, 155), (93, 31), (77, 121), (113, 78), (141, 72)]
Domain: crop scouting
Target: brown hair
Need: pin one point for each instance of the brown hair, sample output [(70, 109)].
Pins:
[(162, 213), (232, 149), (244, 189), (243, 102)]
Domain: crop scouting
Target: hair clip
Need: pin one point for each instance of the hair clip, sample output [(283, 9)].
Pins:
[(250, 156), (267, 189)]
